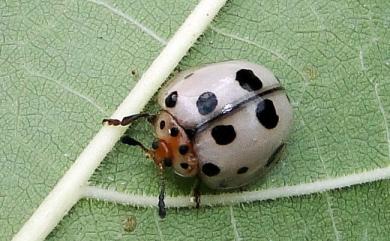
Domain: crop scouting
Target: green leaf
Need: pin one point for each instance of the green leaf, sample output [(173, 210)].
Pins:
[(357, 213), (65, 65)]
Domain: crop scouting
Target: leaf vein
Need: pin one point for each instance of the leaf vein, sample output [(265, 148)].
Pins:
[(234, 225), (385, 121), (330, 211), (68, 89), (156, 221), (328, 198), (241, 197), (131, 20)]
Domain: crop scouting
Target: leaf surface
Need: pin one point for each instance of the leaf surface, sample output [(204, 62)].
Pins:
[(65, 65)]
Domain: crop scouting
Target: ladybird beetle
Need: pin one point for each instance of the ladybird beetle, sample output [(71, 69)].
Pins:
[(223, 122)]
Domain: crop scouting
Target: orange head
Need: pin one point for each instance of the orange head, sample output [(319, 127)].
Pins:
[(173, 147)]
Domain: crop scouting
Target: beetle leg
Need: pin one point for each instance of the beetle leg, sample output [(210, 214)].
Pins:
[(196, 191), (275, 157), (161, 204)]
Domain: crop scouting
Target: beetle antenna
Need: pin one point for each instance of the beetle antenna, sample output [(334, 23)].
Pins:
[(133, 142), (127, 120), (161, 204)]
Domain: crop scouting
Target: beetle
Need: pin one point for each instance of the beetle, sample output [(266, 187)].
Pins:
[(223, 122)]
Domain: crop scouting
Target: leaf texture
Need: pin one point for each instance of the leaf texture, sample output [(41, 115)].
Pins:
[(65, 65)]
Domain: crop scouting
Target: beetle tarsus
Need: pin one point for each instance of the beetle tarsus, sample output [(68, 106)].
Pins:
[(161, 205)]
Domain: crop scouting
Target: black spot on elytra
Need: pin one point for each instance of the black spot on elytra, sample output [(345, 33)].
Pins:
[(162, 124), (209, 169), (248, 80), (174, 131), (206, 103), (223, 134), (266, 114), (242, 170), (171, 99), (183, 149), (184, 165)]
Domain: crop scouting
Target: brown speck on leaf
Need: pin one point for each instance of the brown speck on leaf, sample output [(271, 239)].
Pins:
[(129, 224), (311, 72)]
